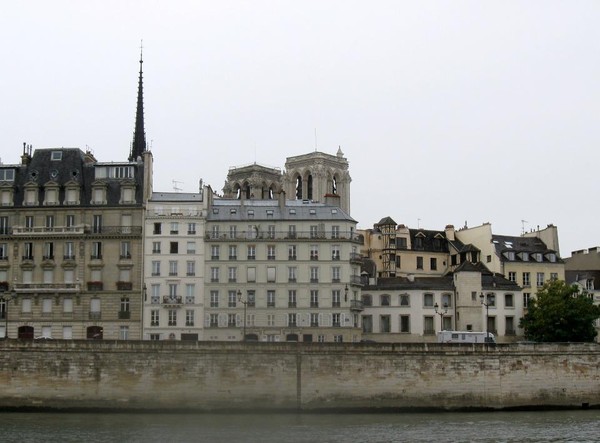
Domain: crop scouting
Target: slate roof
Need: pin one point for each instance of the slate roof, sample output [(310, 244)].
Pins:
[(428, 238), (531, 245), (72, 167)]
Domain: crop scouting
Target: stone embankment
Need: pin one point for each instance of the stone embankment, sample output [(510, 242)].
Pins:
[(296, 376)]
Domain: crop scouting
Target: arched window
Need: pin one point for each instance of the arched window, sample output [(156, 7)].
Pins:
[(298, 188), (309, 191)]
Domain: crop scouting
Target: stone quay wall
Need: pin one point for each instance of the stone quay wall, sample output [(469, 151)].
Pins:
[(203, 376)]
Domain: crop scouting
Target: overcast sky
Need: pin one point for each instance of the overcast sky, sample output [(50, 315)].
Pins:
[(448, 111)]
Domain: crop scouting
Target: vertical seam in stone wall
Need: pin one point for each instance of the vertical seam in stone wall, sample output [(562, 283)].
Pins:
[(298, 378)]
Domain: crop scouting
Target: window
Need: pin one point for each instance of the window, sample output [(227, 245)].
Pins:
[(526, 298), (191, 268), (270, 319), (525, 256), (174, 228), (4, 225), (335, 320), (214, 299), (191, 247), (405, 323), (314, 274), (447, 300), (233, 231), (251, 252), (154, 317), (314, 320), (48, 251), (526, 281), (428, 325), (46, 306), (214, 320), (419, 262), (335, 232), (314, 232), (250, 274), (433, 263), (271, 275), (314, 252), (291, 298), (156, 247), (418, 243), (68, 305), (174, 247), (554, 276), (404, 300), (214, 252), (189, 317), (428, 301), (232, 274), (270, 299), (385, 300), (270, 252), (512, 276), (157, 228), (231, 299), (49, 222), (155, 268), (540, 279), (292, 319), (335, 298), (509, 325), (271, 231), (509, 301), (384, 323), (7, 175), (490, 299), (191, 228), (292, 274), (335, 252), (292, 252), (172, 318), (214, 232), (3, 251), (214, 275), (172, 268), (231, 320), (97, 250), (232, 252), (125, 250), (314, 298), (250, 298), (335, 274), (172, 290)]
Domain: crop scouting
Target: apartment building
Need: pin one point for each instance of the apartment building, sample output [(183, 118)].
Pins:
[(174, 266), (281, 270)]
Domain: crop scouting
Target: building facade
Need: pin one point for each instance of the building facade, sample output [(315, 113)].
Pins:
[(174, 267), (281, 270)]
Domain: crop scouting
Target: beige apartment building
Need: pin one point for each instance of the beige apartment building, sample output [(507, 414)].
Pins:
[(71, 242)]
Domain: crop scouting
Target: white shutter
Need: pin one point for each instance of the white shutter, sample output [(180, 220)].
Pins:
[(251, 275)]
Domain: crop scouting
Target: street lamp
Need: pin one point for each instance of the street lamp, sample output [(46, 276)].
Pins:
[(441, 313), (245, 303), (6, 297), (487, 303)]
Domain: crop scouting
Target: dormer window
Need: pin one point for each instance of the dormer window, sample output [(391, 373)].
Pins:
[(551, 258), (312, 211), (233, 211), (6, 197), (510, 255), (56, 156), (31, 195), (292, 212), (127, 194), (525, 256), (51, 196), (72, 195), (99, 194), (537, 257), (7, 175)]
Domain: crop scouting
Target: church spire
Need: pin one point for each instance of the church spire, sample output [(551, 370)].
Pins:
[(139, 135)]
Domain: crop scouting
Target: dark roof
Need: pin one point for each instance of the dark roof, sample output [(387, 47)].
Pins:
[(386, 221), (520, 245), (432, 241), (403, 283)]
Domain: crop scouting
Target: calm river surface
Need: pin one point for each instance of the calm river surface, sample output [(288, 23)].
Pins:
[(555, 426)]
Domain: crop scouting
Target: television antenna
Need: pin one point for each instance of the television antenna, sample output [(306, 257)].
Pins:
[(176, 186), (523, 226)]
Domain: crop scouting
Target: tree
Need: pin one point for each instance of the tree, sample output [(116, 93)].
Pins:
[(560, 313)]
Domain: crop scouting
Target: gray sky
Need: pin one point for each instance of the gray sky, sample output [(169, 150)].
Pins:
[(448, 111)]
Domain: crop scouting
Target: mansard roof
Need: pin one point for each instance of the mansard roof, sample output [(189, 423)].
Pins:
[(385, 221), (429, 238), (444, 283), (271, 210)]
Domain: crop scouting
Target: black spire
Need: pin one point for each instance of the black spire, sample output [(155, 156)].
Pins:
[(139, 135)]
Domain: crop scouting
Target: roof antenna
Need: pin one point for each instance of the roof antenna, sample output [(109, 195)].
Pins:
[(523, 226), (315, 139)]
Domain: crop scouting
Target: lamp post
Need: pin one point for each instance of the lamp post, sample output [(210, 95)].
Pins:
[(6, 297), (245, 303), (441, 313), (487, 303)]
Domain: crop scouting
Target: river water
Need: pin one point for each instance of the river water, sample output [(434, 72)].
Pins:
[(553, 426)]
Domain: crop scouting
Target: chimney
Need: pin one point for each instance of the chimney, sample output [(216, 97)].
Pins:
[(26, 156), (333, 200), (282, 199), (449, 231)]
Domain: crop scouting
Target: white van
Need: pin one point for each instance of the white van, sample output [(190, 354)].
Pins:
[(465, 337)]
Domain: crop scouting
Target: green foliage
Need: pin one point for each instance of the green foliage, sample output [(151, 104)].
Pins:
[(560, 313)]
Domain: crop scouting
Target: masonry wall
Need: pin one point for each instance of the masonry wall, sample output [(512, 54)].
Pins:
[(252, 376)]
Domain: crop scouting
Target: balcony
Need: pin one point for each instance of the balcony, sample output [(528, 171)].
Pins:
[(117, 230), (314, 257), (95, 286), (251, 236), (124, 286), (69, 257), (125, 256), (124, 315), (356, 280), (355, 257), (173, 300), (47, 287), (356, 305), (27, 258), (48, 257), (43, 230)]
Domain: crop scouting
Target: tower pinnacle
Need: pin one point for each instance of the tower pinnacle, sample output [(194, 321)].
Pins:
[(139, 135)]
